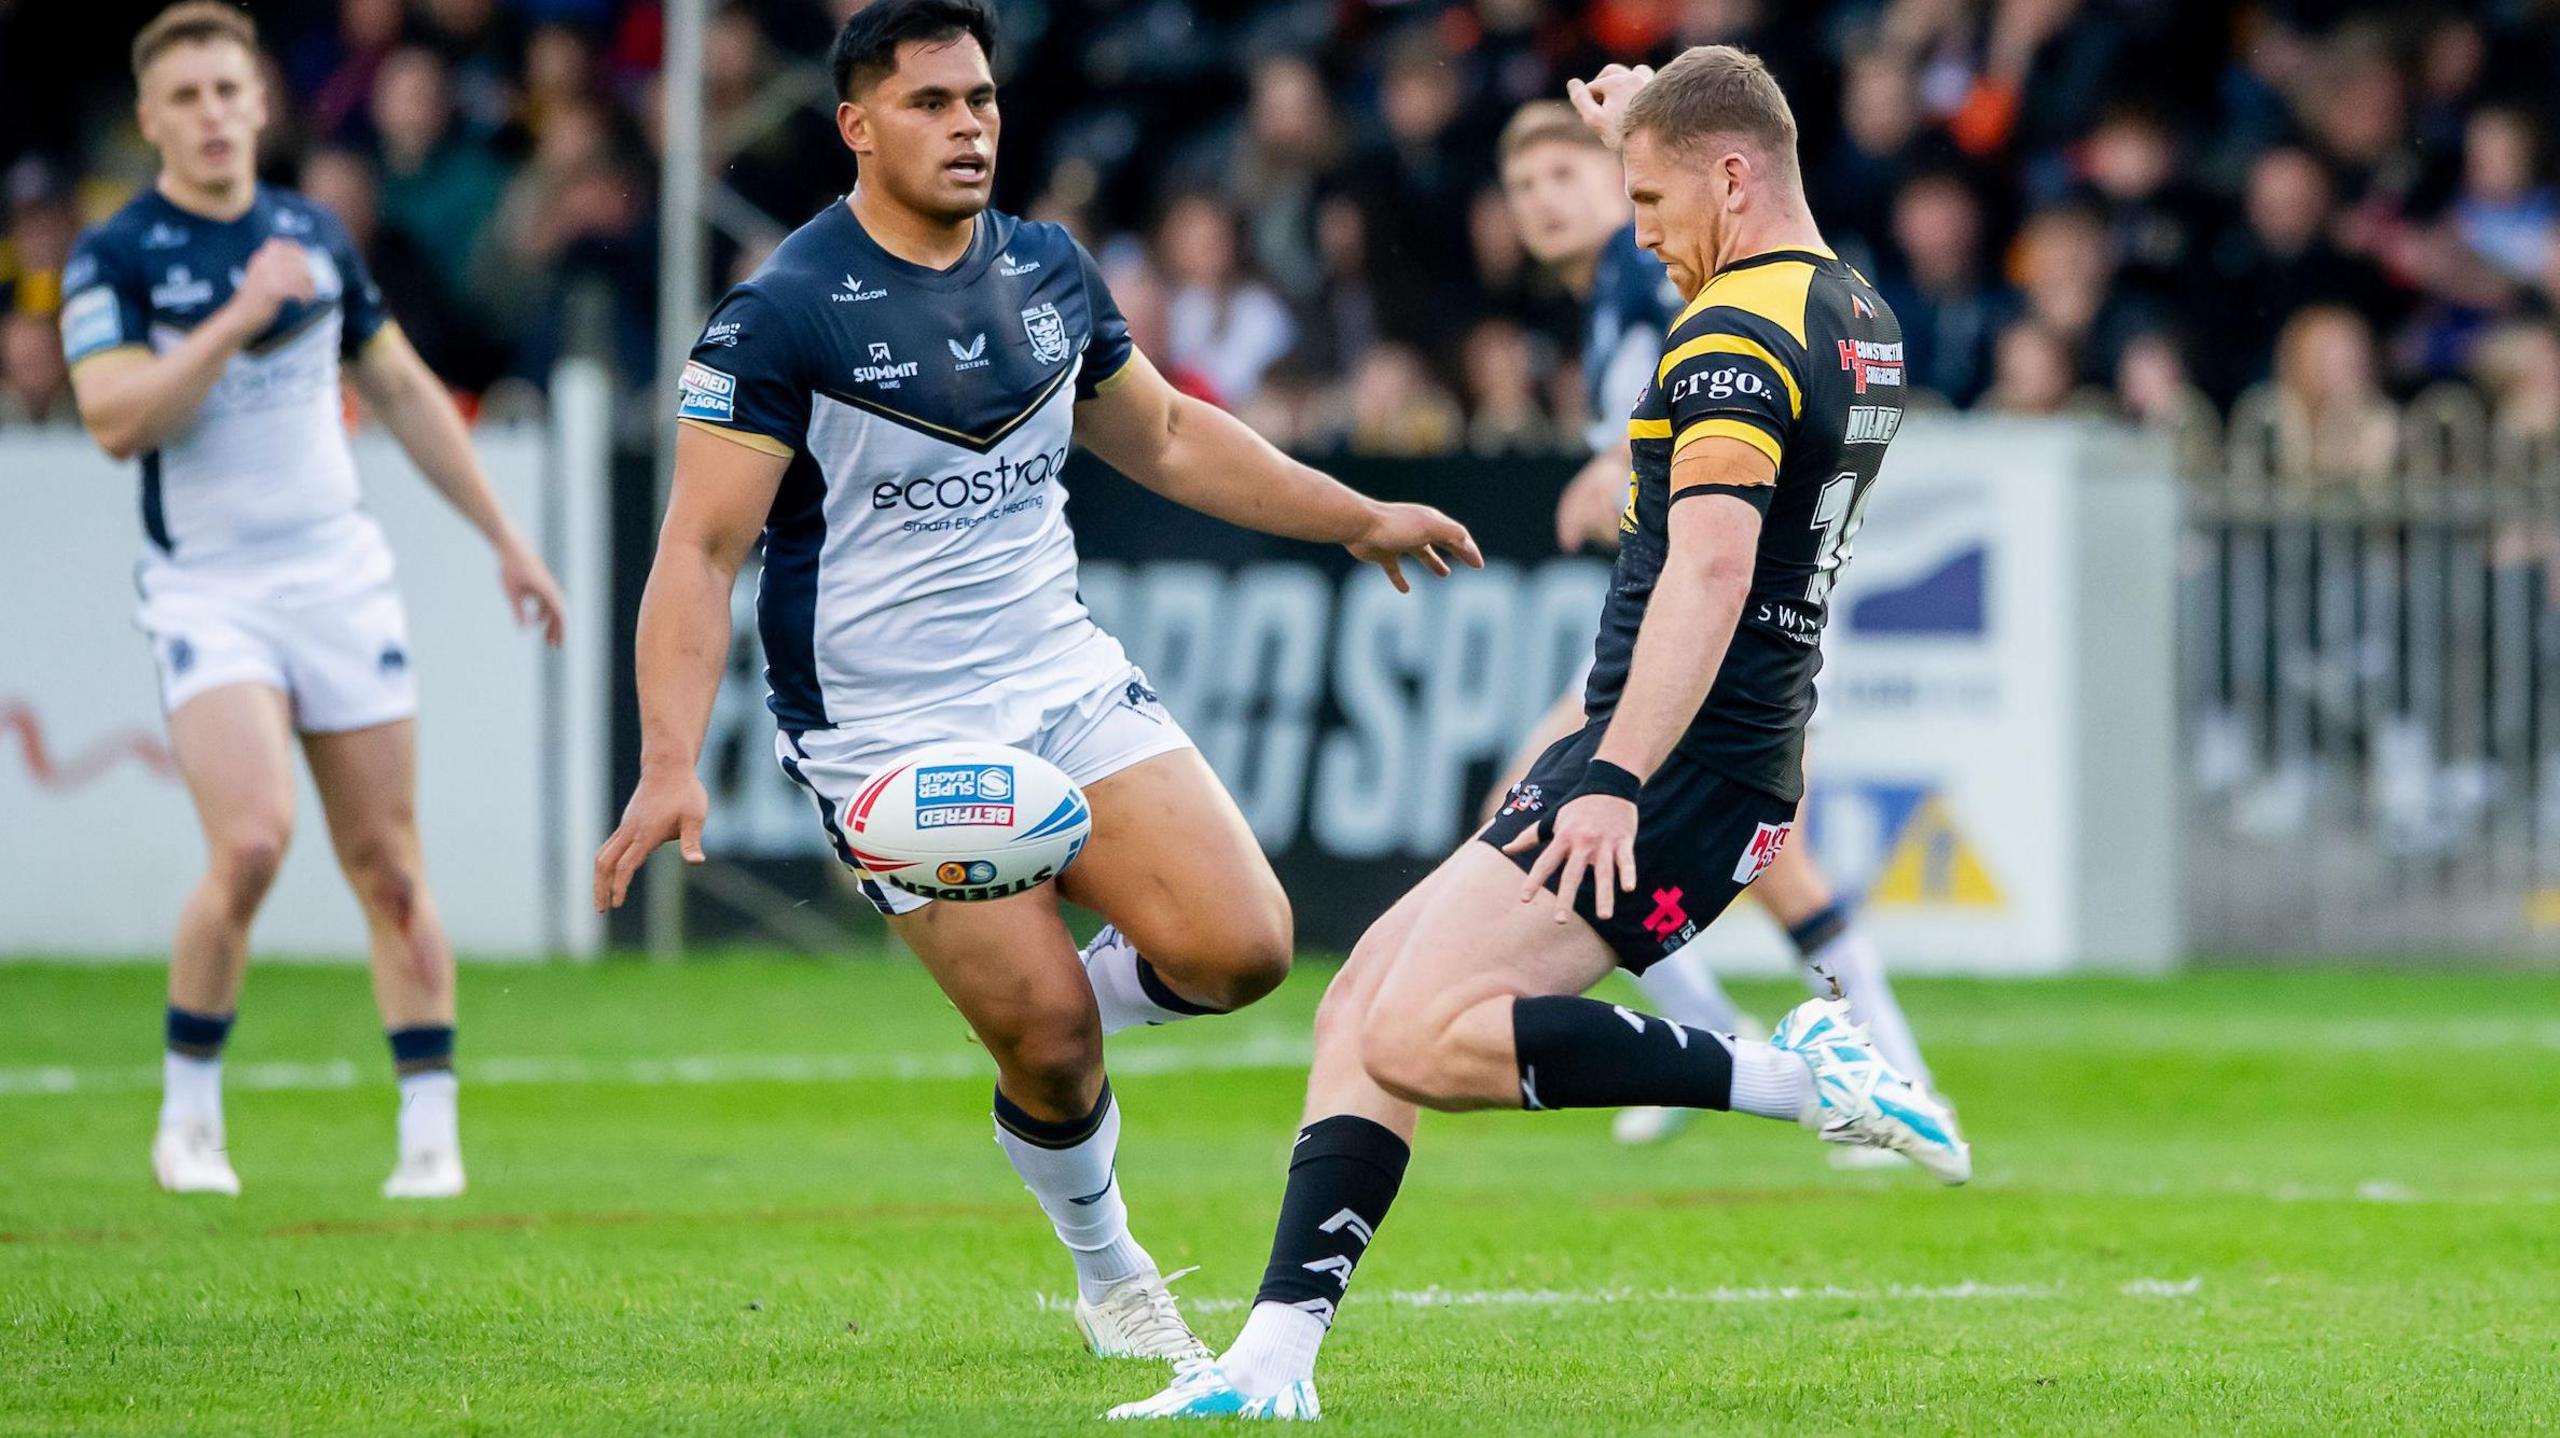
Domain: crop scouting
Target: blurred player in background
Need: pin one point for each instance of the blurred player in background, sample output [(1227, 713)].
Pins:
[(890, 401), (207, 325), (1752, 459), (1567, 195)]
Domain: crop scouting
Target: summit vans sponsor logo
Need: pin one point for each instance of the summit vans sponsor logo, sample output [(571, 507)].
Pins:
[(1872, 424), (885, 370)]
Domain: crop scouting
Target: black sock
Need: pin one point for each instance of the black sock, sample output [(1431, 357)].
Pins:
[(1342, 1177), (1820, 928), (1582, 1053), (423, 1049), (193, 1035)]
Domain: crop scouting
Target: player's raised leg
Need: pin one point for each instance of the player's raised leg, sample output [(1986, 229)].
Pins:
[(234, 747), (1198, 922), (368, 787), (1011, 968)]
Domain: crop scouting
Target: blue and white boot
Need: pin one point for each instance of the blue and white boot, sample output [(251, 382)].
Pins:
[(1200, 1390), (1866, 1101)]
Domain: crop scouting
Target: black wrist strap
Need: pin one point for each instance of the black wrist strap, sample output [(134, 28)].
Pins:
[(1599, 777), (1603, 777)]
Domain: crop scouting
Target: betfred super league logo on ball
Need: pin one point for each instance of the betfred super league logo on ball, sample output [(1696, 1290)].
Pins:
[(956, 795)]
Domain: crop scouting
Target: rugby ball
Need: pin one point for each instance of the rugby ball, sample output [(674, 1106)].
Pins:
[(967, 821)]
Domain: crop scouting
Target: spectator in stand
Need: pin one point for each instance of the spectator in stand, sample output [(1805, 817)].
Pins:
[(42, 227), (2033, 370), (1274, 177), (2152, 390), (338, 71), (2066, 275), (34, 387), (1413, 184), (2507, 216), (2156, 218), (1141, 297), (574, 192), (2333, 423), (1950, 310), (2278, 259), (1220, 322), (1503, 413), (2519, 372), (439, 183), (559, 71), (1397, 409), (1854, 185), (483, 50), (456, 347)]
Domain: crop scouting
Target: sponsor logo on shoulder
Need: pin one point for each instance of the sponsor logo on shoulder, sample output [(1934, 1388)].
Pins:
[(90, 322), (181, 290), (164, 237), (853, 292), (1011, 266), (1872, 424), (1872, 362), (1047, 332), (289, 223), (972, 355), (964, 796), (706, 393), (724, 335), (884, 369)]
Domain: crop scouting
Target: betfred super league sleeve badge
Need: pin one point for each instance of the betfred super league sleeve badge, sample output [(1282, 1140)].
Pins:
[(1047, 332)]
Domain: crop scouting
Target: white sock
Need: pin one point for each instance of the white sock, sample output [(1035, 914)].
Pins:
[(1111, 965), (1079, 1188), (1771, 1082), (1682, 989), (430, 1111), (1277, 1348), (190, 1089), (1853, 959)]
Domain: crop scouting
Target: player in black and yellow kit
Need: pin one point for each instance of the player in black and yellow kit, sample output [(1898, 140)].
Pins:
[(1754, 447)]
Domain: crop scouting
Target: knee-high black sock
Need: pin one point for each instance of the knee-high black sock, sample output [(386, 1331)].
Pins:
[(1582, 1053), (1342, 1177)]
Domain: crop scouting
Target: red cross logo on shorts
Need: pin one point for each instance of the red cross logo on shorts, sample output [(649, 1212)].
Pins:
[(1668, 917)]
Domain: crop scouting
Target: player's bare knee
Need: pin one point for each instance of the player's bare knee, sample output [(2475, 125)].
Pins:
[(386, 878), (1052, 1069), (1403, 1055), (246, 859)]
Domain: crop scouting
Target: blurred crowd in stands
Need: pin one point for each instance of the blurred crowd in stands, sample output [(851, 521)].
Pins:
[(2137, 206)]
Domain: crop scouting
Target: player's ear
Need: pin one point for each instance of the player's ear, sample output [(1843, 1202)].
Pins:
[(853, 126)]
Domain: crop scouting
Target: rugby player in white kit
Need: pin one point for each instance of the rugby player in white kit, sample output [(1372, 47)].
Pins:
[(207, 325), (889, 402)]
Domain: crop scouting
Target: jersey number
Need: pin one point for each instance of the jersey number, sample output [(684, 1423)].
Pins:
[(1837, 514)]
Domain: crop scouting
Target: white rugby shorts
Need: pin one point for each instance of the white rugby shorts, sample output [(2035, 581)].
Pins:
[(1110, 728), (344, 663)]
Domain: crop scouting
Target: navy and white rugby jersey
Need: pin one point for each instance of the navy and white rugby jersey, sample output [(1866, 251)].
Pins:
[(917, 556), (263, 472), (1630, 309)]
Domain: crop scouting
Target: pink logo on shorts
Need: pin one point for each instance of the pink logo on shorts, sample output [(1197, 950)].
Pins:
[(1762, 851)]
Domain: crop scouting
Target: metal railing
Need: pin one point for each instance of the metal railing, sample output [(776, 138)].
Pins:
[(2371, 663)]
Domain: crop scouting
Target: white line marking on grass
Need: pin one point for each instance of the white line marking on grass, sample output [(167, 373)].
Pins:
[(1438, 1297), (1267, 1050)]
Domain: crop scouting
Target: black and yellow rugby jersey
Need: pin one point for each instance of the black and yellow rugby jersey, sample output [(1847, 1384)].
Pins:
[(1793, 353)]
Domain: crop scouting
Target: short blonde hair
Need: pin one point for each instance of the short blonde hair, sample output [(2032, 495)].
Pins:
[(1714, 90), (192, 22), (1542, 122)]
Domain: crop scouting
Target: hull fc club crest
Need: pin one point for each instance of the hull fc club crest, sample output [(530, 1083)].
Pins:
[(1047, 331)]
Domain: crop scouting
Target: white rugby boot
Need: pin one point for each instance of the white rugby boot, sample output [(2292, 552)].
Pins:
[(187, 1157), (1200, 1390), (426, 1172), (1137, 1318), (1865, 1100)]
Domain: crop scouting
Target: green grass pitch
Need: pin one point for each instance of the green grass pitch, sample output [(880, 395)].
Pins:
[(755, 1196)]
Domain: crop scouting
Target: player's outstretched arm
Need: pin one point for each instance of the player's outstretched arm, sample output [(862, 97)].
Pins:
[(723, 491), (413, 404), (131, 399), (1203, 458), (1688, 625)]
